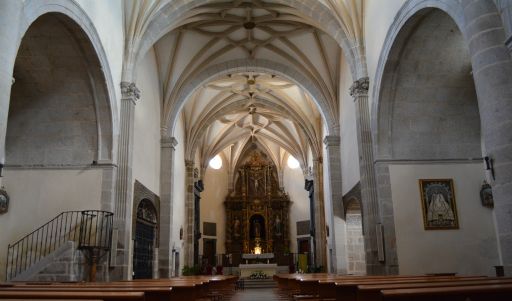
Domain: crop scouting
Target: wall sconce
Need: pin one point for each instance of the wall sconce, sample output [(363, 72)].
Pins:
[(1, 169), (489, 165)]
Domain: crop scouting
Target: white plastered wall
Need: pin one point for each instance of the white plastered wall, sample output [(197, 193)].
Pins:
[(107, 17), (349, 147), (378, 18), (179, 192), (44, 194), (146, 137), (293, 180), (469, 250), (212, 205)]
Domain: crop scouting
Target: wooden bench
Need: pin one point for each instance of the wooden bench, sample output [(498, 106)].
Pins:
[(492, 292), (371, 292), (83, 295), (185, 288)]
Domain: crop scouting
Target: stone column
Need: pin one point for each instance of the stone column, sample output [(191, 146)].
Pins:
[(167, 149), (320, 231), (124, 187), (333, 157), (371, 220), (9, 35), (492, 72), (189, 211)]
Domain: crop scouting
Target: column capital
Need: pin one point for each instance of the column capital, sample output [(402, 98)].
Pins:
[(360, 87), (168, 142), (332, 141), (130, 91)]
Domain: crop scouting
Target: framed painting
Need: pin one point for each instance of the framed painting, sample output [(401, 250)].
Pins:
[(438, 204)]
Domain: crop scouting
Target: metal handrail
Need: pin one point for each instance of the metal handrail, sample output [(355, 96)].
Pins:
[(36, 245)]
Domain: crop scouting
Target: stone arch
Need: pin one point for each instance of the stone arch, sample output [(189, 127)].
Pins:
[(427, 94), (319, 13), (257, 65), (410, 9), (74, 98), (475, 23), (32, 10)]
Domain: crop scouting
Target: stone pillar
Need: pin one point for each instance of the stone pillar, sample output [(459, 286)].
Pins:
[(371, 220), (9, 35), (167, 149), (189, 211), (124, 187), (333, 157), (320, 231), (492, 72)]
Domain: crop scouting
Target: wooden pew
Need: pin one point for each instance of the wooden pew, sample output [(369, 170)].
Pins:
[(492, 292), (106, 296), (184, 288), (333, 287), (372, 292)]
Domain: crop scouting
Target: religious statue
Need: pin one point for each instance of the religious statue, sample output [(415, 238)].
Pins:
[(257, 228), (236, 227), (4, 201), (277, 225), (257, 182)]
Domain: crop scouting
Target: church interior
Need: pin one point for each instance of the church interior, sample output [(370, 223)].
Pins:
[(290, 145)]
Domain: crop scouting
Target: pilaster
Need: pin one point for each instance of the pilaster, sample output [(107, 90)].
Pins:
[(124, 187), (492, 67), (320, 232), (333, 158), (9, 36), (189, 211), (371, 216), (167, 149)]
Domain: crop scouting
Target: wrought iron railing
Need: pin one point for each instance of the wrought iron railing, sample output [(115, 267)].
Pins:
[(38, 244)]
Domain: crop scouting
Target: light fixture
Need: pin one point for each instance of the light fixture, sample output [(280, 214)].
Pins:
[(216, 162)]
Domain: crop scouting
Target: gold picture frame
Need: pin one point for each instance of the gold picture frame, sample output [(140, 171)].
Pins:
[(438, 204)]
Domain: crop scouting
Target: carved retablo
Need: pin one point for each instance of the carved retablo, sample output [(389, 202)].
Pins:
[(257, 211)]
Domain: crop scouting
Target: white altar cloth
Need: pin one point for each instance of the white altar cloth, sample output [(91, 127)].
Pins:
[(270, 269), (258, 256)]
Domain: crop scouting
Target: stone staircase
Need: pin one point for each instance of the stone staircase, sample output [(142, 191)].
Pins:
[(258, 283)]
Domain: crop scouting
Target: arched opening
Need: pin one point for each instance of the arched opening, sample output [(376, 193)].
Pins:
[(145, 240), (356, 260), (59, 126), (429, 131)]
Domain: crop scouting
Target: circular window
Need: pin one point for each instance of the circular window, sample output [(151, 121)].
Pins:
[(292, 162), (216, 162)]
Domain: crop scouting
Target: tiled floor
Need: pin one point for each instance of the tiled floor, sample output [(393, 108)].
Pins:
[(256, 294)]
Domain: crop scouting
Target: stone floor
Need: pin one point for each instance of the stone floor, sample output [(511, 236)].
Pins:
[(256, 294)]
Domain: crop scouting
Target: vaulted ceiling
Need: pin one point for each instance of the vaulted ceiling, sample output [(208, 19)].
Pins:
[(230, 110)]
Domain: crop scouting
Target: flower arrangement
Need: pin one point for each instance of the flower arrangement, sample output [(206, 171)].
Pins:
[(258, 275)]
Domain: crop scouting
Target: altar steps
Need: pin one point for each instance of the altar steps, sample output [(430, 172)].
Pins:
[(258, 283)]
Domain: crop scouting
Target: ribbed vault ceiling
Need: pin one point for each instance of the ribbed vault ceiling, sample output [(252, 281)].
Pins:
[(228, 112)]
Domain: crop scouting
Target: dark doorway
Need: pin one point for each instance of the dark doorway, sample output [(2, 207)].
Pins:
[(145, 229), (304, 246), (209, 250)]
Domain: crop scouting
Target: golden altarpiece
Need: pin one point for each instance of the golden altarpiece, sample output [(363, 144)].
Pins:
[(257, 212)]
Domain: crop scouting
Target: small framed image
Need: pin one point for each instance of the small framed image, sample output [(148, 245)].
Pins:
[(438, 204), (4, 201)]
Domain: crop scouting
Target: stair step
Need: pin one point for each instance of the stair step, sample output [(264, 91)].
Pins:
[(259, 283)]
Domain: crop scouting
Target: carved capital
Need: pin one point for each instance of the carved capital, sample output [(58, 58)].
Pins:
[(168, 142), (360, 87), (130, 91), (332, 141)]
